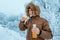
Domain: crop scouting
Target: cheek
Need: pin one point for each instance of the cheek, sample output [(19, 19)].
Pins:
[(30, 12)]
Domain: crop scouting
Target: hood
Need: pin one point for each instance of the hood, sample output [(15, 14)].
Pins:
[(35, 8)]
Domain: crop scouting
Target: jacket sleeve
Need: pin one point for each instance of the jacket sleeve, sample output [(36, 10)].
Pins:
[(46, 32), (22, 26)]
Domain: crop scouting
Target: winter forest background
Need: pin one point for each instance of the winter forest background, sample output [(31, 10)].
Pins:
[(11, 12)]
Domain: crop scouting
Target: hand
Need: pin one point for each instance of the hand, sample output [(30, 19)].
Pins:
[(23, 18), (35, 30)]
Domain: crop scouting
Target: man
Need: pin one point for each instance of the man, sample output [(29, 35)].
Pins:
[(42, 27)]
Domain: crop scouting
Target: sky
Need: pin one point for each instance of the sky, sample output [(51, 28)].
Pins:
[(13, 6)]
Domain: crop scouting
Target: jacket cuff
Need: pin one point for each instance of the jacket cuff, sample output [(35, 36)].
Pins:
[(40, 33), (23, 23)]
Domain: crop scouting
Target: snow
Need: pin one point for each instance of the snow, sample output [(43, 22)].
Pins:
[(6, 34)]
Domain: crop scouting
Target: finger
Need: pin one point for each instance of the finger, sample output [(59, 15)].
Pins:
[(32, 30)]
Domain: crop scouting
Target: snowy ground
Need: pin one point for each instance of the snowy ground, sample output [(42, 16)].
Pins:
[(6, 34)]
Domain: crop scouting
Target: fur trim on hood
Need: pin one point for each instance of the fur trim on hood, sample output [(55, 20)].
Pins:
[(35, 8)]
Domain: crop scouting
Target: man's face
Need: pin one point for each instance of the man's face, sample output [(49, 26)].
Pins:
[(30, 13)]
